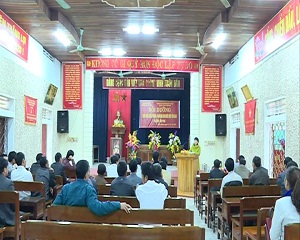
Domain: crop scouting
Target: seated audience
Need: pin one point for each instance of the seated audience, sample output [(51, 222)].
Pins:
[(11, 162), (21, 174), (36, 165), (121, 186), (216, 172), (7, 216), (69, 162), (139, 171), (165, 174), (281, 176), (260, 175), (290, 180), (158, 174), (237, 161), (100, 178), (292, 163), (133, 178), (155, 157), (287, 209), (231, 179), (59, 168), (46, 175), (80, 193), (112, 168), (151, 195), (241, 169)]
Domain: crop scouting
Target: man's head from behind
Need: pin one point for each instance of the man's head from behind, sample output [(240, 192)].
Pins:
[(291, 177), (291, 164), (58, 157), (256, 162), (157, 170), (287, 160), (138, 160), (82, 169), (122, 169), (163, 165), (114, 159), (101, 169), (243, 161), (12, 157), (133, 166), (3, 166), (229, 164), (38, 157), (44, 162), (217, 163), (20, 159), (155, 156), (147, 171)]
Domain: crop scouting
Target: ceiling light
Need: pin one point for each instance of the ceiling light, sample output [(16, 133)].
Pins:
[(219, 40), (149, 30), (61, 36), (165, 53), (118, 52), (178, 53), (105, 52), (132, 29)]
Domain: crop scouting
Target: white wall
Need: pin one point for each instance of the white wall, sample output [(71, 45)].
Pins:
[(32, 78)]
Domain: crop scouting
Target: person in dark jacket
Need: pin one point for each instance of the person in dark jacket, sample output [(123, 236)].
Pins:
[(281, 176), (35, 166), (46, 175), (158, 174), (81, 193), (260, 175), (59, 168), (121, 186), (216, 172), (7, 214)]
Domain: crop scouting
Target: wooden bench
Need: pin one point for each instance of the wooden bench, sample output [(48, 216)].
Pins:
[(248, 191), (248, 211), (105, 190), (133, 202), (211, 183), (259, 232), (70, 174), (12, 198), (71, 231), (110, 179), (136, 216), (59, 180), (292, 231)]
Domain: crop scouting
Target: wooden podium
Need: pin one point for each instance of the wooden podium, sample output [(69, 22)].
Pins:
[(187, 165)]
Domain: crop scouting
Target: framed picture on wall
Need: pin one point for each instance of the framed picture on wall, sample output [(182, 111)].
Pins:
[(232, 98), (247, 94), (51, 93), (116, 146)]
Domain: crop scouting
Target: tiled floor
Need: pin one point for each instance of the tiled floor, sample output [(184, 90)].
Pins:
[(209, 235)]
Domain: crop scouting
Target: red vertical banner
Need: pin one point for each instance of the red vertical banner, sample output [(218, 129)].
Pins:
[(211, 88), (250, 108), (119, 100), (72, 85), (30, 110)]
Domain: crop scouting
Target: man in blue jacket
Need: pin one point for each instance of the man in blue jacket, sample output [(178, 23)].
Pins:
[(81, 193)]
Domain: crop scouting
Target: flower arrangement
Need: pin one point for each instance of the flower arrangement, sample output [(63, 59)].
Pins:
[(154, 140), (174, 143), (133, 144)]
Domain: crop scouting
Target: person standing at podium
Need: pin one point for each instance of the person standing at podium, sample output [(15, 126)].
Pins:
[(195, 148)]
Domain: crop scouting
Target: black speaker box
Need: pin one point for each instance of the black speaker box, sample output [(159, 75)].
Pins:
[(221, 124), (63, 121)]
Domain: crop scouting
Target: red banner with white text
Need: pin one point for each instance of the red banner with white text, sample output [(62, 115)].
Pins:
[(159, 114), (30, 110), (142, 64), (211, 88), (280, 29), (72, 85), (119, 100), (250, 109), (13, 37)]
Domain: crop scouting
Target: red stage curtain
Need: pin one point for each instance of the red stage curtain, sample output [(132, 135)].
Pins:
[(119, 100)]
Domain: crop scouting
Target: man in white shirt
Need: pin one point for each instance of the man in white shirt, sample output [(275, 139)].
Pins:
[(112, 168), (139, 170), (232, 178), (151, 195), (21, 174)]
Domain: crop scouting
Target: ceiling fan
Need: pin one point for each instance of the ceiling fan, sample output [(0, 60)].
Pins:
[(163, 76), (200, 48), (226, 3), (79, 47), (63, 4), (120, 74)]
